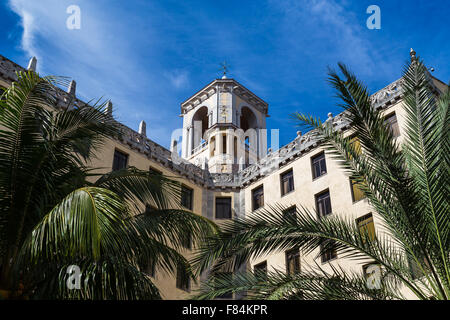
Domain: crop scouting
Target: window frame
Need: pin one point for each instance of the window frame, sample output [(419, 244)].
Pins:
[(295, 252), (325, 254), (216, 211), (185, 188), (316, 197), (225, 295), (352, 183), (254, 190), (314, 160), (121, 153), (387, 122), (258, 267), (360, 226), (180, 277), (282, 175)]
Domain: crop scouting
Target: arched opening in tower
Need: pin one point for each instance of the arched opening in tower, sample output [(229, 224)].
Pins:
[(200, 122), (248, 119)]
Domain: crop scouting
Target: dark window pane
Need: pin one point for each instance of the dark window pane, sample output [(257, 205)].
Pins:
[(261, 268), (186, 197), (223, 208), (391, 121), (258, 197), (287, 182), (187, 242), (290, 212), (183, 281), (323, 204), (120, 160), (319, 166), (293, 261), (228, 295), (330, 252)]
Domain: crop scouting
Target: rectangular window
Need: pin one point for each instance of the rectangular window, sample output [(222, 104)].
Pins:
[(258, 197), (183, 281), (357, 194), (290, 212), (186, 197), (154, 171), (391, 122), (228, 295), (224, 144), (120, 160), (415, 270), (354, 141), (319, 166), (223, 208), (330, 253), (261, 268), (148, 267), (287, 182), (323, 203), (187, 242), (292, 261), (366, 227)]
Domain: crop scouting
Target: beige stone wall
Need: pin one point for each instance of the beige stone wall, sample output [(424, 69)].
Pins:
[(305, 189), (165, 282)]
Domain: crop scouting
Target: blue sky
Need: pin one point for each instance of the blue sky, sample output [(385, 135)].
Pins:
[(149, 56)]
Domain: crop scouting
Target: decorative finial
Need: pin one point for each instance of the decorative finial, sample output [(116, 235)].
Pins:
[(143, 128), (32, 64), (224, 68), (330, 115), (109, 108), (72, 87), (412, 53), (299, 133)]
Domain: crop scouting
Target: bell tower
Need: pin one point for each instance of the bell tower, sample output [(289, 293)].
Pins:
[(224, 127)]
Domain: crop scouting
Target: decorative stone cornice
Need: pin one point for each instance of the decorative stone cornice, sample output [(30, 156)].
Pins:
[(230, 85), (275, 159)]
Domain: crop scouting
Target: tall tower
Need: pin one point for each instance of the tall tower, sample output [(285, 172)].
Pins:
[(224, 126)]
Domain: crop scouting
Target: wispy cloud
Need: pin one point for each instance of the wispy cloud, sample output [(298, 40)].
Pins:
[(178, 78), (100, 57), (28, 25), (149, 56)]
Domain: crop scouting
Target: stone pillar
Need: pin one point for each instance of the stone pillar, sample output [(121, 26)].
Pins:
[(219, 141), (230, 143), (197, 133), (190, 140)]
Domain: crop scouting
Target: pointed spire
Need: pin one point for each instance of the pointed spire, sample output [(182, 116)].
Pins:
[(72, 87), (412, 53), (32, 64), (143, 128), (109, 108)]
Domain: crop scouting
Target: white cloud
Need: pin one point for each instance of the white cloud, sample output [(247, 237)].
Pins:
[(178, 78), (28, 25), (101, 56)]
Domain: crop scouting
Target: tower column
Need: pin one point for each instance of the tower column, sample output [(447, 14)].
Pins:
[(190, 140), (219, 140), (230, 143)]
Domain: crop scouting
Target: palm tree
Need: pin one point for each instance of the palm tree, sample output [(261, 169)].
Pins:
[(56, 212), (407, 185)]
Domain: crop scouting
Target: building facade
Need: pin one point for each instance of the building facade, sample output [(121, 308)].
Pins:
[(227, 170)]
